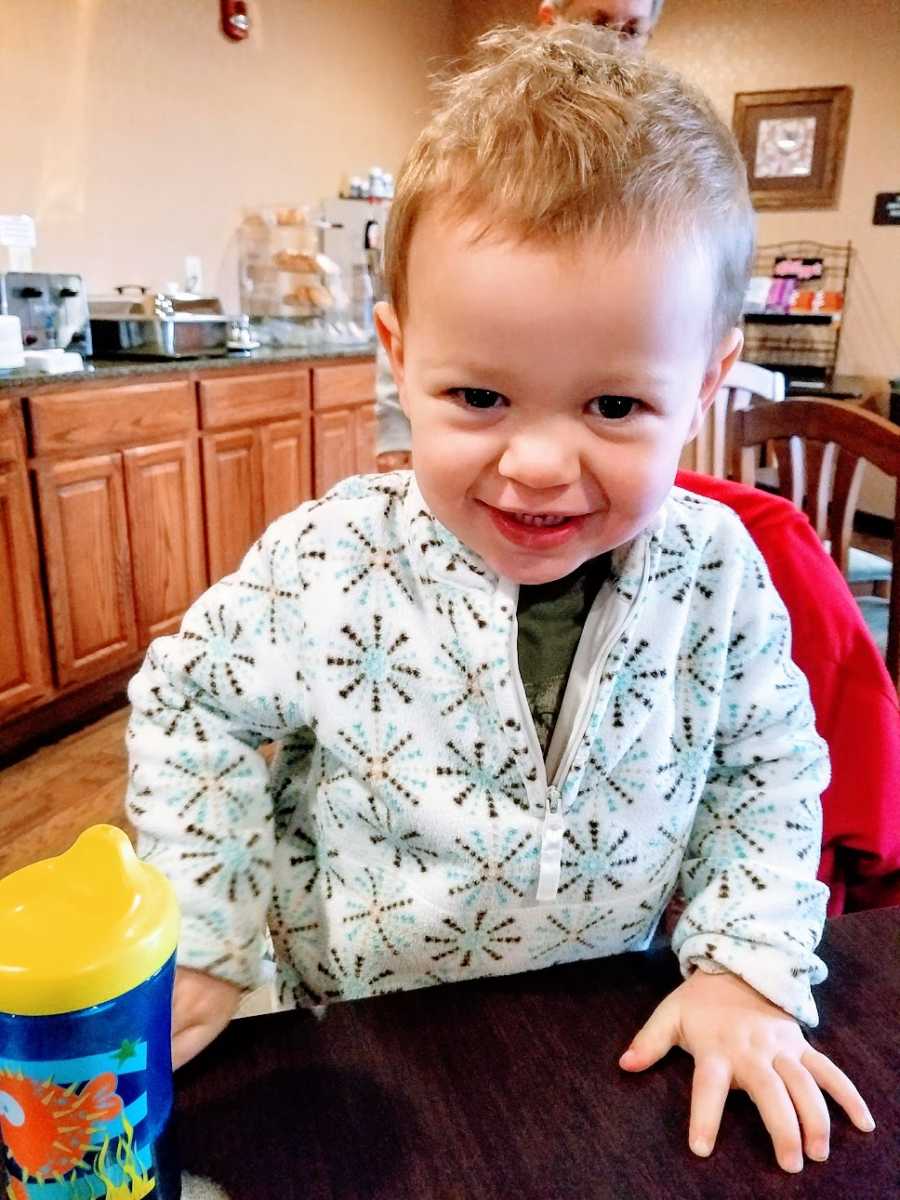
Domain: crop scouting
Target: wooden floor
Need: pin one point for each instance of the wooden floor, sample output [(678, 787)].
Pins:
[(48, 799)]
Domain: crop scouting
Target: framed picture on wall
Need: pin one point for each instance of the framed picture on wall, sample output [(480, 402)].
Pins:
[(793, 144)]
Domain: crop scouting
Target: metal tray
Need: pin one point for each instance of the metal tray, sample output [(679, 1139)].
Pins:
[(181, 335)]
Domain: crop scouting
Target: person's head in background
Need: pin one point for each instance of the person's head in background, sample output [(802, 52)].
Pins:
[(632, 19), (566, 261)]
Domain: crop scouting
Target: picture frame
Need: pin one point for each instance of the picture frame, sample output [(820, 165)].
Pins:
[(793, 144)]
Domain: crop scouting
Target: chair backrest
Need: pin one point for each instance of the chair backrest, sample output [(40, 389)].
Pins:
[(822, 447), (744, 382)]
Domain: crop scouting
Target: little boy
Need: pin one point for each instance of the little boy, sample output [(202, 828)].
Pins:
[(526, 694)]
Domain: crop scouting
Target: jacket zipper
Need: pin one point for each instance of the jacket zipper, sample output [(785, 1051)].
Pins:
[(551, 846), (554, 817)]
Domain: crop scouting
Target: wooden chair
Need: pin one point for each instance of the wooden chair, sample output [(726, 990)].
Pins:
[(822, 447), (744, 383)]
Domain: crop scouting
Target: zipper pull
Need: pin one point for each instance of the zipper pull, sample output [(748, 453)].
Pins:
[(551, 846)]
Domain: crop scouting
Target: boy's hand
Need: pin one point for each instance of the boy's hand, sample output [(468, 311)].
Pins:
[(201, 1008), (737, 1038)]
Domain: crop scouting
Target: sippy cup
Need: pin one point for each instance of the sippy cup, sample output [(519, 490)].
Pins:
[(87, 962)]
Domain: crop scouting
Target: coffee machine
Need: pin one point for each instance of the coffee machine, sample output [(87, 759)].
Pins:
[(52, 308)]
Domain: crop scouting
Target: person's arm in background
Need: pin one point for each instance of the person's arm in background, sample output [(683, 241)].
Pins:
[(393, 446)]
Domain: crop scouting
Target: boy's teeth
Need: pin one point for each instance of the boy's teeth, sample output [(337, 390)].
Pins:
[(539, 519)]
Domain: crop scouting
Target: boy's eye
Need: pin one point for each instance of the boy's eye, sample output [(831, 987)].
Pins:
[(614, 408), (480, 398)]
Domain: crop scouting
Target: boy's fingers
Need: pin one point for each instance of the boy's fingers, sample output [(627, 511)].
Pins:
[(833, 1081), (654, 1040), (709, 1091), (809, 1104), (767, 1091)]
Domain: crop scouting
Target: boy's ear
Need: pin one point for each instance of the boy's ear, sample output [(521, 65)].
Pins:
[(722, 360), (546, 13), (387, 326)]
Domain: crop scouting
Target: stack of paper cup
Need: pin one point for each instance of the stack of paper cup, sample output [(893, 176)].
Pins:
[(11, 351)]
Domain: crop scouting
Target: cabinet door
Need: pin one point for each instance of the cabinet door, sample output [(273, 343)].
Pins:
[(286, 466), (24, 657), (334, 448), (168, 557), (233, 497), (88, 566), (365, 440)]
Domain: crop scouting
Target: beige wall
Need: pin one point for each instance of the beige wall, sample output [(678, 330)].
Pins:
[(134, 132)]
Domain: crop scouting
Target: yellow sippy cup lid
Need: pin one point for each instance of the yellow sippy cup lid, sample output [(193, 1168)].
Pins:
[(83, 927)]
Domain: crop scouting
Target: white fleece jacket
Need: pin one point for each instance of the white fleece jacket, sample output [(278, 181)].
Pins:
[(411, 832)]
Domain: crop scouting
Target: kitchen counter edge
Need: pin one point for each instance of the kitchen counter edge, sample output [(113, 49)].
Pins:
[(24, 382)]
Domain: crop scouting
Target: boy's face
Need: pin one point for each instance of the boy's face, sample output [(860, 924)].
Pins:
[(632, 18), (550, 390)]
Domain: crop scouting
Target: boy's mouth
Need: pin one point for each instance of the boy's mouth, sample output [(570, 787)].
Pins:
[(536, 531)]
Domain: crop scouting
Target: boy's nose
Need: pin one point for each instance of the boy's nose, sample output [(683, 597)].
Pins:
[(540, 461)]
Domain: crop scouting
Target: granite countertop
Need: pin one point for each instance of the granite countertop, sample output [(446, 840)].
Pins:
[(96, 370)]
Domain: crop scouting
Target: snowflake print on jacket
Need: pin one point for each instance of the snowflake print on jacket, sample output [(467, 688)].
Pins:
[(494, 869), (274, 611), (482, 779), (364, 565), (467, 942), (372, 662)]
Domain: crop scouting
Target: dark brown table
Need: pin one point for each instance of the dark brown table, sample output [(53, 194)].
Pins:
[(508, 1089)]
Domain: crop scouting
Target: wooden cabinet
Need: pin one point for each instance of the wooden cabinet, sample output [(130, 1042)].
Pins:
[(24, 658), (286, 466), (78, 420), (334, 438), (256, 457), (366, 432), (141, 494), (85, 528), (232, 492), (343, 423), (122, 529), (165, 531)]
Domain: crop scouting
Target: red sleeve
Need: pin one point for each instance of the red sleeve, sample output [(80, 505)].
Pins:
[(852, 694)]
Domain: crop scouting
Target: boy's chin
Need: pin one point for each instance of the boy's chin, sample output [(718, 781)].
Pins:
[(531, 574)]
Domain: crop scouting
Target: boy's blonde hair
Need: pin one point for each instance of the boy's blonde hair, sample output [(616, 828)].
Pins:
[(551, 135)]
